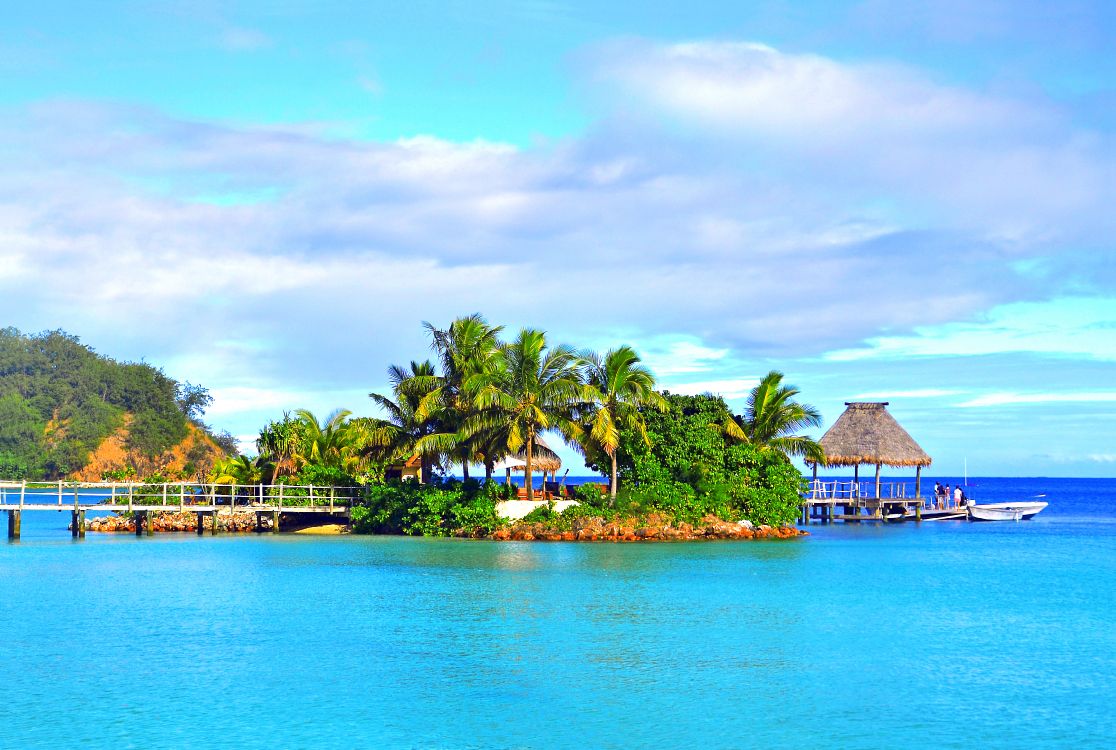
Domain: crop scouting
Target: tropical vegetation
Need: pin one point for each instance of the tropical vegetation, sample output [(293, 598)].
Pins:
[(482, 398), (771, 418), (59, 400)]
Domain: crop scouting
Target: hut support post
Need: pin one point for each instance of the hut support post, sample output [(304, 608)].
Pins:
[(918, 482), (879, 500)]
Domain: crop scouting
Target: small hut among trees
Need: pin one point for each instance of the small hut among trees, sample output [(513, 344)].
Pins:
[(543, 458), (866, 433)]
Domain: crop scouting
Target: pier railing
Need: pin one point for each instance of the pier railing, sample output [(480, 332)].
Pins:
[(129, 495), (833, 491)]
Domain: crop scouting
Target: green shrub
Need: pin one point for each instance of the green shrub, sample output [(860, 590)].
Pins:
[(689, 470), (436, 509)]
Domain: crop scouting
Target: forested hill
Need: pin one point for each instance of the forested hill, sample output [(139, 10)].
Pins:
[(62, 406)]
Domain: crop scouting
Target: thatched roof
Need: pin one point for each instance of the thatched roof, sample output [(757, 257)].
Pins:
[(867, 434), (543, 458)]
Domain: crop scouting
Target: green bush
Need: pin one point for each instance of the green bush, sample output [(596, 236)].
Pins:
[(436, 509), (689, 470)]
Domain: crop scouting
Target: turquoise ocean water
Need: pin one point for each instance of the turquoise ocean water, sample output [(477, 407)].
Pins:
[(937, 635)]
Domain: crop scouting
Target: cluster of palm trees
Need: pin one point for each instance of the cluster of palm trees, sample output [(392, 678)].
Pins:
[(487, 399), (287, 446)]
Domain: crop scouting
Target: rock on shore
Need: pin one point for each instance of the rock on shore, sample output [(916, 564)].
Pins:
[(654, 527), (170, 522)]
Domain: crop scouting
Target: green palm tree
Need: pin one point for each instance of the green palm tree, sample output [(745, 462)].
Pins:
[(396, 437), (325, 442), (530, 389), (281, 442), (772, 418), (239, 470), (467, 348), (622, 386)]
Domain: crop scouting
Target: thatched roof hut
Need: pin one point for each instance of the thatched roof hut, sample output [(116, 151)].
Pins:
[(867, 434), (543, 459)]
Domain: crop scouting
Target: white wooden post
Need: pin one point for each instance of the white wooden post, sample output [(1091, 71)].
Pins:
[(59, 491), (22, 492)]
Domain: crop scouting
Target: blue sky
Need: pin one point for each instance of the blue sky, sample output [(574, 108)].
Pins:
[(884, 199)]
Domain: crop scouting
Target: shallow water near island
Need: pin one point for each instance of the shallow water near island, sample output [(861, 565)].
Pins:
[(944, 634)]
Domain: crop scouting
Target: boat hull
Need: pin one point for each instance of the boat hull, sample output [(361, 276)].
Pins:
[(984, 513), (1028, 510)]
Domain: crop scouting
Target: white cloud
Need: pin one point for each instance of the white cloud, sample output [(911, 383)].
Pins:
[(1017, 169), (1081, 327), (1013, 399), (733, 388), (808, 205), (244, 40), (915, 393)]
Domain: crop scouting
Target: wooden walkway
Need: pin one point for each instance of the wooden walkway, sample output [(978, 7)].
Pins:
[(861, 501), (146, 499)]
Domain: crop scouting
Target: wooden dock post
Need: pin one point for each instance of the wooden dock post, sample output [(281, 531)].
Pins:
[(140, 518), (74, 524), (213, 516), (274, 522), (14, 522), (201, 522), (918, 511)]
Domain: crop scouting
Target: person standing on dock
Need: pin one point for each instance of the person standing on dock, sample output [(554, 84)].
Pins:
[(958, 493), (938, 492), (945, 498)]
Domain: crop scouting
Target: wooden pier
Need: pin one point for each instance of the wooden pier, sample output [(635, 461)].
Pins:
[(861, 501), (144, 500)]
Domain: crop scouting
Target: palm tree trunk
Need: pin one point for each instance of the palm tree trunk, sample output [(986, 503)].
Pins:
[(489, 468), (612, 485), (527, 469), (465, 470)]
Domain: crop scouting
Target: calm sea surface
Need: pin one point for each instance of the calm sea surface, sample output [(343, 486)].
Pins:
[(939, 635)]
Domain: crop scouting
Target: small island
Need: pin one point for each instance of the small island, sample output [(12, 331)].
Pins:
[(677, 467)]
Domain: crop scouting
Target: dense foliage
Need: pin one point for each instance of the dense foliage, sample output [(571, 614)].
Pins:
[(484, 399), (59, 399), (436, 509), (686, 467)]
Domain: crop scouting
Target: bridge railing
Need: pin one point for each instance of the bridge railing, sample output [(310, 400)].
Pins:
[(837, 490), (184, 494)]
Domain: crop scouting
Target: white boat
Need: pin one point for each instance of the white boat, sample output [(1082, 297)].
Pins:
[(1028, 509), (985, 513)]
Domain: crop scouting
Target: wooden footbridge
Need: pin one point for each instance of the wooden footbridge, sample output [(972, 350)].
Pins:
[(861, 501), (144, 500)]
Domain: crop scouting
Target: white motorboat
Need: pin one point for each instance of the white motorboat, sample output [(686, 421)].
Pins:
[(984, 513), (1027, 509)]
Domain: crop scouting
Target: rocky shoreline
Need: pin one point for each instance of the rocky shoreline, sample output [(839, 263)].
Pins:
[(652, 528), (229, 523)]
